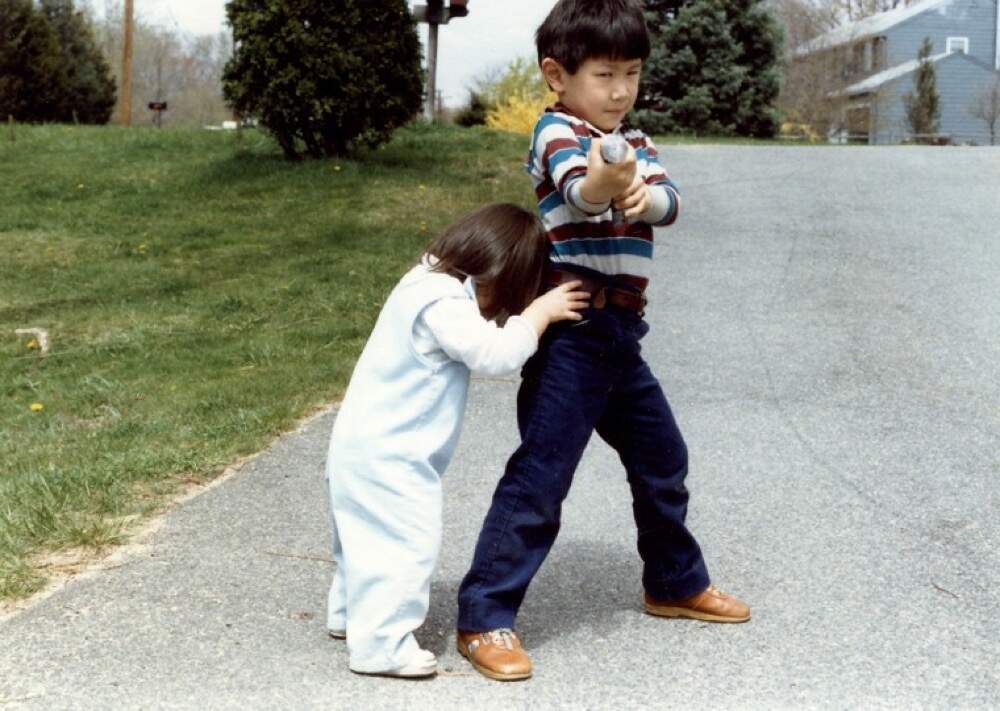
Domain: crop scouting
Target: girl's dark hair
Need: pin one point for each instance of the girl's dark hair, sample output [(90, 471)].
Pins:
[(503, 248), (578, 30)]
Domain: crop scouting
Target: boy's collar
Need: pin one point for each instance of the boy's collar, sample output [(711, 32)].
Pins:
[(561, 108)]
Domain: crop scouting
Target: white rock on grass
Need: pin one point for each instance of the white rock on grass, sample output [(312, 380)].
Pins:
[(40, 334)]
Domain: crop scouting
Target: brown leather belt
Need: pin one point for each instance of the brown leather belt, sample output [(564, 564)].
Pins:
[(601, 293)]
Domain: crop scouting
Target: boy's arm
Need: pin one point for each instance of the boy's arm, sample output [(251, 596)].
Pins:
[(665, 198), (581, 176)]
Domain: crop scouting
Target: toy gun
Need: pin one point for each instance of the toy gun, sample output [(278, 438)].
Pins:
[(614, 149)]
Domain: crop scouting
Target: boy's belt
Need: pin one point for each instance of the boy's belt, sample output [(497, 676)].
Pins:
[(602, 293)]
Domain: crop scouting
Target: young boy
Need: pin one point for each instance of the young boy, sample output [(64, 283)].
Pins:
[(590, 375)]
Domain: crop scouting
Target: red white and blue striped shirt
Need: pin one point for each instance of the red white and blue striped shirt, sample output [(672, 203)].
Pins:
[(584, 234)]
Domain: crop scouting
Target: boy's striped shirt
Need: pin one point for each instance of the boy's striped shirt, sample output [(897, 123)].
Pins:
[(582, 233)]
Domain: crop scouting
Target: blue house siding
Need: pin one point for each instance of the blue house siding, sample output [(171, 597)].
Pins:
[(959, 78), (873, 53), (975, 19)]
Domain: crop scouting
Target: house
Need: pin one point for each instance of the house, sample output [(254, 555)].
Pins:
[(877, 57)]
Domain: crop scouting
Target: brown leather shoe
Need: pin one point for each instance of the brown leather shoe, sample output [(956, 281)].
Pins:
[(710, 605), (497, 654)]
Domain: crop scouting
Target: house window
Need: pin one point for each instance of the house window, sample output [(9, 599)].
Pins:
[(878, 53), (958, 44), (857, 62)]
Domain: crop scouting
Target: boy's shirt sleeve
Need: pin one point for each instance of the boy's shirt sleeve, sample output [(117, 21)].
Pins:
[(666, 198), (560, 154)]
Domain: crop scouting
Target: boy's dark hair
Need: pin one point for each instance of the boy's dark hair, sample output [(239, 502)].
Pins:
[(578, 30), (503, 248)]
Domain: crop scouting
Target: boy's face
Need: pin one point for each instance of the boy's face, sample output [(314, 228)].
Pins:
[(601, 91)]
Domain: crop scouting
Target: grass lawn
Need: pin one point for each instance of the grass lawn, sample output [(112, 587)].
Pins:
[(201, 295)]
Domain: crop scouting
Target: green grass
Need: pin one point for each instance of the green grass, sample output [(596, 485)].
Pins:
[(202, 295)]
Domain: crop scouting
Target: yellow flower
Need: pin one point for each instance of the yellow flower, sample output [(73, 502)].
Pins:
[(143, 247), (80, 186), (37, 407), (33, 344), (422, 187), (336, 168), (518, 114)]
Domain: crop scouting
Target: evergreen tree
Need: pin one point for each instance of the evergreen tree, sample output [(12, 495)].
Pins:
[(326, 75), (32, 76), (760, 39), (692, 79), (89, 95), (923, 108), (714, 67), (659, 11)]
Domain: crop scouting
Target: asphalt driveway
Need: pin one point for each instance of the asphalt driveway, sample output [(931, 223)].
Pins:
[(826, 324)]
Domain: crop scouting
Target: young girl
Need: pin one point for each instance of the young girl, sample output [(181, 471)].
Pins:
[(399, 421)]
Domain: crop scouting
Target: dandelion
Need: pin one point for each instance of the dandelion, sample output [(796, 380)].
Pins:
[(80, 186), (423, 226), (422, 187), (37, 407), (33, 344), (143, 247), (336, 168)]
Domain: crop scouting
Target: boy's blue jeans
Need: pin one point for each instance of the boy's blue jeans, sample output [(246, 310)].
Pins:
[(586, 376)]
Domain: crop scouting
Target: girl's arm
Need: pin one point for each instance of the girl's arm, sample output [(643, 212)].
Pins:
[(488, 349)]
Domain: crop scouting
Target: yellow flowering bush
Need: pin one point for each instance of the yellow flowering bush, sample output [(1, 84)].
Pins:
[(519, 113), (792, 129), (516, 97)]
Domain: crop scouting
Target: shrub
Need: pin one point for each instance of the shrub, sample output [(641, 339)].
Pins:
[(516, 98), (475, 113), (518, 114), (329, 76), (521, 77)]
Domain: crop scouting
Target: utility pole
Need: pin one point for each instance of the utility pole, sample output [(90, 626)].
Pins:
[(432, 60), (125, 95), (434, 13)]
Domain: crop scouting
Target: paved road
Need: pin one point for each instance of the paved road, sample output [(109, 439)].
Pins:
[(826, 323)]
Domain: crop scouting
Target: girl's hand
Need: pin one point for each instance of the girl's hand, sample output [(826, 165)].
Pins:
[(564, 302), (634, 201), (561, 303)]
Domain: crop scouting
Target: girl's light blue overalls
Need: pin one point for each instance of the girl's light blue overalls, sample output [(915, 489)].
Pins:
[(393, 438)]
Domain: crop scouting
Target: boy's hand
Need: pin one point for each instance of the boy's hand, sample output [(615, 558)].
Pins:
[(561, 303), (606, 180), (634, 201)]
